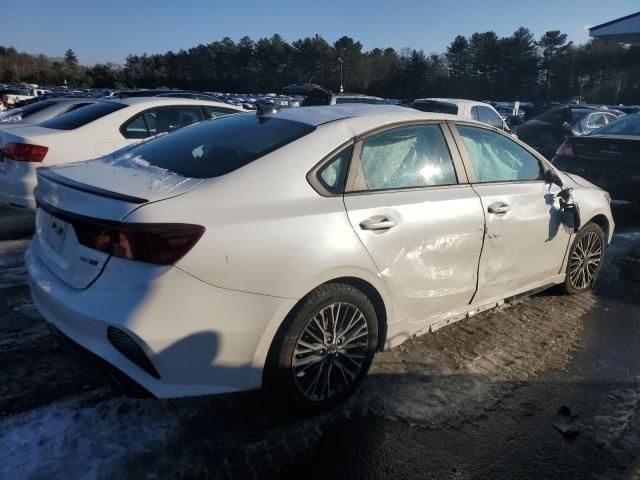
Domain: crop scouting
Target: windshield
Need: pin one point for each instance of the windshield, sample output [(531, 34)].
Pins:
[(216, 147), (629, 125)]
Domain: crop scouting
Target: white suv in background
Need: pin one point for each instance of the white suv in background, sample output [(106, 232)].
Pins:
[(91, 132), (482, 112)]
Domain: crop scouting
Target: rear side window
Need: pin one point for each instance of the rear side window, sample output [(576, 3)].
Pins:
[(334, 173), (82, 116), (161, 120), (406, 157), (215, 112), (496, 158), (215, 148), (488, 116), (436, 107)]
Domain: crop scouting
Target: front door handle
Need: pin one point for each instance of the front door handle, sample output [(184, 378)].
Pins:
[(499, 208), (378, 222)]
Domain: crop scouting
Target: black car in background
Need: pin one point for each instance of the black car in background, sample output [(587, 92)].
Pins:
[(547, 131), (608, 157)]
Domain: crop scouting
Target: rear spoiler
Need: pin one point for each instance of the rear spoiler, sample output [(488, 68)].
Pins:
[(46, 172)]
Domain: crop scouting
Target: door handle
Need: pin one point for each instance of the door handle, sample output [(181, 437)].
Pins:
[(499, 208), (378, 222)]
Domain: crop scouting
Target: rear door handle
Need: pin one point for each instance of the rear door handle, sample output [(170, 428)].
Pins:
[(499, 208), (378, 222)]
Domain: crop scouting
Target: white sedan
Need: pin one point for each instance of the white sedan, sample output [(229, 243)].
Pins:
[(90, 132), (284, 249)]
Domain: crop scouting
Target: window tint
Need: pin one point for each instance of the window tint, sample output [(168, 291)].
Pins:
[(333, 174), (83, 116), (436, 107), (214, 148), (474, 113), (136, 128), (76, 106), (215, 112), (629, 125), (488, 116), (29, 110), (161, 120), (415, 156), (596, 120), (496, 158)]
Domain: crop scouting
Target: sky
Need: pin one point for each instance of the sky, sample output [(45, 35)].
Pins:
[(107, 31)]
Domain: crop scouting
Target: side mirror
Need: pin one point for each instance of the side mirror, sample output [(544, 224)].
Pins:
[(550, 176), (566, 126)]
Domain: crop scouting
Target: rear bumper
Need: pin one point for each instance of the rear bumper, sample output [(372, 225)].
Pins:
[(200, 339), (17, 183)]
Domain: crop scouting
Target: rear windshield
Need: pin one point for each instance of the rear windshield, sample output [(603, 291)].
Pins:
[(29, 110), (629, 125), (436, 107), (82, 116), (216, 147)]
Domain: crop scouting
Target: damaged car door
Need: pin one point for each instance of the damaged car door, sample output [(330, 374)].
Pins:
[(409, 202), (526, 239)]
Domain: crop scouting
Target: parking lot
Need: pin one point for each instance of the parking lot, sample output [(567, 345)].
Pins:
[(546, 387)]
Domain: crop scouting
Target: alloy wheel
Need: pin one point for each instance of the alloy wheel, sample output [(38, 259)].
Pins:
[(585, 261), (331, 351)]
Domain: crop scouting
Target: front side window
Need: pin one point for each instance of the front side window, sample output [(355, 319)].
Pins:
[(161, 120), (488, 116), (405, 157), (496, 158), (474, 113)]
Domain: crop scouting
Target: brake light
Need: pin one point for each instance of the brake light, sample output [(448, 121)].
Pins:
[(24, 152), (157, 243), (566, 149)]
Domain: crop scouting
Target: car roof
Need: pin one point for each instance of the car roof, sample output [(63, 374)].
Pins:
[(456, 101), (319, 115), (155, 101)]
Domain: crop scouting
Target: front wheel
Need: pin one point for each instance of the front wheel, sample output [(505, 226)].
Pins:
[(324, 349), (585, 259)]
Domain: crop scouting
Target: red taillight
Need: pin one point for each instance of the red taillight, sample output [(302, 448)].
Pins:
[(158, 243), (565, 150), (24, 152)]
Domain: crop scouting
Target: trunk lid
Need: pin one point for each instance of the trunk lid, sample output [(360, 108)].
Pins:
[(611, 162), (102, 191)]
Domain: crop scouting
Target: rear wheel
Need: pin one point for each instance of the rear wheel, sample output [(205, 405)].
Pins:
[(325, 348), (585, 259)]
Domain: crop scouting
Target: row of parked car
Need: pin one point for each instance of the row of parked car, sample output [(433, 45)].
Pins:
[(187, 247)]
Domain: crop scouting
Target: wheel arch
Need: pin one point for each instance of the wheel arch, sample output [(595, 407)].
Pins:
[(603, 222)]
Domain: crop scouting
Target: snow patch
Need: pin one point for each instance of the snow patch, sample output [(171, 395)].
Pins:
[(69, 439)]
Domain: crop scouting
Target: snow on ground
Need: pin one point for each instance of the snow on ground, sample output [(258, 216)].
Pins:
[(78, 438)]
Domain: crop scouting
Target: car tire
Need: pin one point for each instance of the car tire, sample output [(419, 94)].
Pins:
[(311, 369), (585, 259)]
